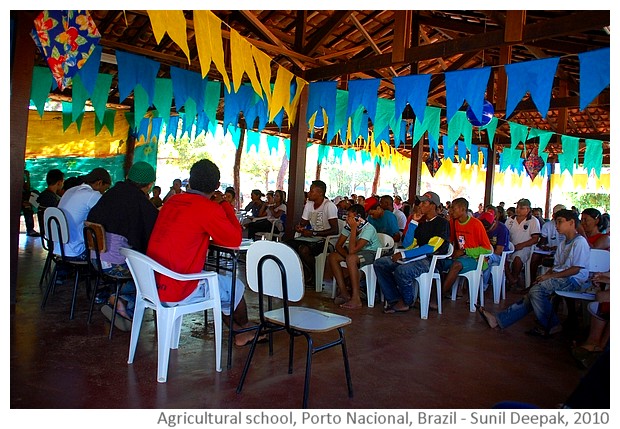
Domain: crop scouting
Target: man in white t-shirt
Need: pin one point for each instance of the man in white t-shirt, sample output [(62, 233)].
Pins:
[(524, 233), (76, 204), (318, 220)]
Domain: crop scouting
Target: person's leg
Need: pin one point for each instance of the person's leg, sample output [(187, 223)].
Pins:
[(307, 259), (406, 274), (535, 262), (354, 276), (540, 297), (29, 220), (333, 261), (514, 313), (384, 270), (515, 270), (453, 274)]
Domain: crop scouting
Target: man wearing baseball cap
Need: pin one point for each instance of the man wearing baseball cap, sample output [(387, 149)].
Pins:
[(395, 278), (128, 217), (524, 233), (76, 203)]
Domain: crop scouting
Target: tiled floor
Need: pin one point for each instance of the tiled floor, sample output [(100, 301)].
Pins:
[(451, 360)]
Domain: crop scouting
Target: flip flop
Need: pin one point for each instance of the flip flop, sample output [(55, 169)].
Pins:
[(339, 300), (392, 310), (483, 314), (262, 339)]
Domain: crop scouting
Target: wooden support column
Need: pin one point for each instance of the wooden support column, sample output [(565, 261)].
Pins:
[(490, 176), (417, 151), (22, 63), (402, 34), (297, 167), (547, 214), (415, 170)]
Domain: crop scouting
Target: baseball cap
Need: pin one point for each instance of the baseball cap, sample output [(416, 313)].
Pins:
[(487, 217), (337, 199), (369, 203), (524, 202), (558, 207), (141, 172), (429, 196)]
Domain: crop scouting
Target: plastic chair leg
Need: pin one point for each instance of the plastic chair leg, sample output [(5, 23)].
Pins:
[(425, 296), (138, 315), (438, 290), (319, 270), (217, 326), (371, 284), (164, 340)]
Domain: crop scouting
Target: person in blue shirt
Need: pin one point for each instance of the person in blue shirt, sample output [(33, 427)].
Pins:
[(384, 221), (421, 239), (362, 242)]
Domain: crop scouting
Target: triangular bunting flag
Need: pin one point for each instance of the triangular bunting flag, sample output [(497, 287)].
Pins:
[(208, 31), (412, 89), (133, 70), (533, 76), (466, 85), (172, 22), (241, 61), (593, 75)]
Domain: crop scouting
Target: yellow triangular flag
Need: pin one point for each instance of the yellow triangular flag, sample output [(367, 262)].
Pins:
[(241, 61), (292, 113), (208, 30), (173, 22), (281, 98), (263, 64)]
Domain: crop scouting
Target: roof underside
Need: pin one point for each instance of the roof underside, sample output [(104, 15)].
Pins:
[(345, 45)]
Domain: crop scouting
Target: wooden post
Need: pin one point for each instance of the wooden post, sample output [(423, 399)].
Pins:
[(22, 64), (297, 167)]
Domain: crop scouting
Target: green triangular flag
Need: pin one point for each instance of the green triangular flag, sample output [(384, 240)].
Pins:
[(40, 89), (79, 95), (100, 94)]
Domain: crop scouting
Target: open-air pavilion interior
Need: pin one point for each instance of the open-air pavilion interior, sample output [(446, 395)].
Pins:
[(287, 73)]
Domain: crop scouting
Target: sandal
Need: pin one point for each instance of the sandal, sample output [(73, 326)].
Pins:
[(339, 300)]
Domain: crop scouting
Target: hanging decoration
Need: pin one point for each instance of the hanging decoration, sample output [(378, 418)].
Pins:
[(66, 38), (433, 163), (487, 114), (533, 164)]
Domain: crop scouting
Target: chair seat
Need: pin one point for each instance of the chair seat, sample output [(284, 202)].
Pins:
[(308, 319), (587, 296)]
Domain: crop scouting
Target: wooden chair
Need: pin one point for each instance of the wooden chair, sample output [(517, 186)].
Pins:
[(94, 237)]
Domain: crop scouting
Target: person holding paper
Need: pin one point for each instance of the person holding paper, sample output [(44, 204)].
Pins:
[(420, 243)]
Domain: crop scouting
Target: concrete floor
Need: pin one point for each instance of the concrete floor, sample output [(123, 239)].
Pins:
[(450, 361)]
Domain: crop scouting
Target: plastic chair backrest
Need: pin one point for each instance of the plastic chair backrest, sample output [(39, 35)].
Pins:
[(56, 227), (387, 243), (272, 280), (436, 257), (599, 261), (143, 270)]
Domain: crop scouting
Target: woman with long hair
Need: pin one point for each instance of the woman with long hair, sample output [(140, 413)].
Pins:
[(595, 228)]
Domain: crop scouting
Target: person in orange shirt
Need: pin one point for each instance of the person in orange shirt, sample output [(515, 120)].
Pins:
[(470, 240)]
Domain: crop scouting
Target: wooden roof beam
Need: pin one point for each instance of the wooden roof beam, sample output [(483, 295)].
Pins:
[(262, 29), (578, 22), (319, 36)]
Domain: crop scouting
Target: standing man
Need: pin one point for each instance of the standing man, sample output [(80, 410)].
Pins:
[(180, 241), (432, 236), (524, 233), (76, 203), (128, 217), (318, 220), (27, 210)]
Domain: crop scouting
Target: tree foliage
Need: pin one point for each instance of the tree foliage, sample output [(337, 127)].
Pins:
[(596, 200)]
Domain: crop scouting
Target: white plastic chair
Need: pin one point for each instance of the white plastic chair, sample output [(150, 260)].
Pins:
[(425, 283), (498, 277), (474, 278), (528, 269), (320, 259), (274, 270), (600, 262), (169, 317), (387, 243)]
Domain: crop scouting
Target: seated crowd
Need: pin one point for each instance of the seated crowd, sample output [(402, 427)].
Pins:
[(555, 251)]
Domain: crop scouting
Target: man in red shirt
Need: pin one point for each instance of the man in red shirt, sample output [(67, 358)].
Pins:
[(470, 240), (180, 241)]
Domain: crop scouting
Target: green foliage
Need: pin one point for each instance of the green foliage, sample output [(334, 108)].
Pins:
[(189, 151), (585, 200)]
